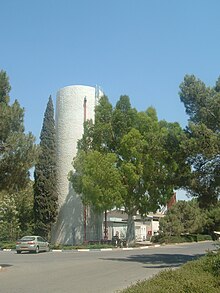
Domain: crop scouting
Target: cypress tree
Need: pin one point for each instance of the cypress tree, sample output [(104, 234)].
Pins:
[(45, 192)]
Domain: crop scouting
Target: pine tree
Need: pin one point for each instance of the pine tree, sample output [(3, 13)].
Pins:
[(45, 194), (202, 147), (17, 149)]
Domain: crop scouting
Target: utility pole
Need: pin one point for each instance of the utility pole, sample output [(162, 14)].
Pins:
[(105, 229)]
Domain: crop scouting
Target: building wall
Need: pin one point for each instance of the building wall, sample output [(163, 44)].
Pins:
[(140, 231), (69, 120)]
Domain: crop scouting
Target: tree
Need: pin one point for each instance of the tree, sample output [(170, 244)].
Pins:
[(103, 136), (24, 201), (148, 168), (123, 120), (201, 102), (97, 179), (184, 217), (202, 143), (9, 220), (17, 149), (213, 220), (18, 153), (143, 160), (45, 192), (16, 213), (4, 87)]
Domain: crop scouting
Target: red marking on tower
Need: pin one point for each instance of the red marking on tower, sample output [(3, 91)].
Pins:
[(85, 213)]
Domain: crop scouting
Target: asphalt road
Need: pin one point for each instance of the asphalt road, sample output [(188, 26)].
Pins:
[(89, 272)]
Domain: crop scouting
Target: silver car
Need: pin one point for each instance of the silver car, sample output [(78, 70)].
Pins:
[(32, 243)]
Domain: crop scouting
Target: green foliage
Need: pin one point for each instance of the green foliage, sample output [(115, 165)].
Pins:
[(201, 102), (4, 87), (16, 213), (180, 239), (7, 245), (45, 192), (24, 200), (9, 220), (97, 179), (103, 136), (123, 119), (213, 219), (144, 160), (212, 263), (202, 142), (203, 237), (17, 149), (184, 217), (197, 276), (84, 246)]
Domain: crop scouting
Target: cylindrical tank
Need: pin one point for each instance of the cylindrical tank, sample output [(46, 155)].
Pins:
[(74, 104), (69, 129)]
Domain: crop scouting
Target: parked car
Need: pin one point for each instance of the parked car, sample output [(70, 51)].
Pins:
[(32, 243)]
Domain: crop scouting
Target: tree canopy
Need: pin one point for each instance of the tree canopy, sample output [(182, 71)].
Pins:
[(183, 218), (98, 180), (18, 153), (202, 143), (125, 159), (17, 149)]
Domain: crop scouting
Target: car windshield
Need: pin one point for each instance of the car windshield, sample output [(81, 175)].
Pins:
[(27, 238)]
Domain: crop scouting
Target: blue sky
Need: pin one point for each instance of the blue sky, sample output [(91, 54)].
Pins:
[(141, 48)]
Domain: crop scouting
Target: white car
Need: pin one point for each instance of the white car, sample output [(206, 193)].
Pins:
[(32, 243)]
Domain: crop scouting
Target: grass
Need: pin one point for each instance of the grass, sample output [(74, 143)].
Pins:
[(198, 276)]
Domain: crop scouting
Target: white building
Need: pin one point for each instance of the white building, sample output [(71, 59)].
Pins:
[(145, 227)]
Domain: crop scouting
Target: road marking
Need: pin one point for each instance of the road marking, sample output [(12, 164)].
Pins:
[(143, 247)]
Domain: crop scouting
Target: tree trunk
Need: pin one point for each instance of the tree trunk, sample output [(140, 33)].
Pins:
[(130, 236)]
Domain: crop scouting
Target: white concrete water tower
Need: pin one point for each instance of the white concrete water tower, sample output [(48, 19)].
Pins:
[(74, 104)]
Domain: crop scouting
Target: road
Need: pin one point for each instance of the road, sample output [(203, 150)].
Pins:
[(92, 271)]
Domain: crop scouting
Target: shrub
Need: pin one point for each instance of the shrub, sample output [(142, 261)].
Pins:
[(212, 263), (7, 245), (179, 239), (174, 281), (201, 237), (197, 276)]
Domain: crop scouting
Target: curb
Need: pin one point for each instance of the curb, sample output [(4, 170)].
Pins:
[(106, 249), (111, 249), (95, 249)]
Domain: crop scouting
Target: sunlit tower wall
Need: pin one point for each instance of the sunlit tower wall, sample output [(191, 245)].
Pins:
[(71, 112)]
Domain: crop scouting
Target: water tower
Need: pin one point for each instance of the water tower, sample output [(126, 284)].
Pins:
[(74, 105)]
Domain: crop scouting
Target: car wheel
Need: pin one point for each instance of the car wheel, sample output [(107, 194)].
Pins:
[(18, 252), (37, 249)]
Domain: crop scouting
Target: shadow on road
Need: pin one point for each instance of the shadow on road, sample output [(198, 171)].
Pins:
[(3, 265), (158, 260)]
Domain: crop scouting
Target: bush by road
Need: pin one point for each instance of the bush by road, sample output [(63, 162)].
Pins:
[(198, 276)]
